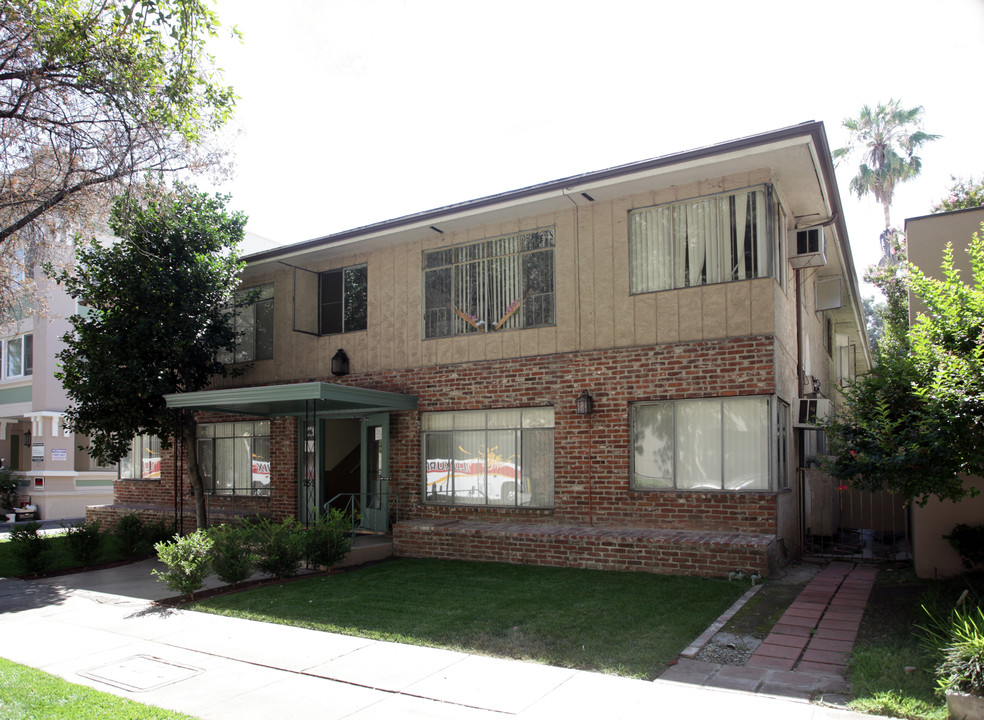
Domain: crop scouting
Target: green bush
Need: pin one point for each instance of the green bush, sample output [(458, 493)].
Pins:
[(157, 531), (968, 541), (233, 558), (962, 669), (329, 539), (187, 560), (30, 548), (129, 532), (8, 490), (279, 546), (84, 542)]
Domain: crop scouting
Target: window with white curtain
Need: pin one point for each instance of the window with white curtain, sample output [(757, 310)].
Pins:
[(254, 327), (18, 357), (234, 457), (704, 241), (143, 460), (713, 444), (497, 284)]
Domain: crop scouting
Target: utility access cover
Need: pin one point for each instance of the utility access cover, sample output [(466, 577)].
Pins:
[(141, 673)]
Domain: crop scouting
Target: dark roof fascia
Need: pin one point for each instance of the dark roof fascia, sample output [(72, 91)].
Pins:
[(811, 128), (948, 212)]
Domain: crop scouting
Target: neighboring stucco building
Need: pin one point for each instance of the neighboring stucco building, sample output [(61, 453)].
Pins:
[(926, 238), (429, 368), (55, 475)]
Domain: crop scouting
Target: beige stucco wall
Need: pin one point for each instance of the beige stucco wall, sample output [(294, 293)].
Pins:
[(926, 239), (934, 557), (594, 309)]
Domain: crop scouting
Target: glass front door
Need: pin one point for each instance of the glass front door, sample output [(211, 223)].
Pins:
[(375, 474)]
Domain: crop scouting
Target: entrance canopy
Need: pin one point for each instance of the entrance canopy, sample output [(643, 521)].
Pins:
[(294, 399)]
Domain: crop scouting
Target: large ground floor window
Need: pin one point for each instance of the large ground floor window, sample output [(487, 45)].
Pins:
[(501, 458), (143, 460), (708, 444), (234, 457)]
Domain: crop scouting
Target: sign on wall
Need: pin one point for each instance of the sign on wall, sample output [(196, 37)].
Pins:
[(37, 452), (59, 454)]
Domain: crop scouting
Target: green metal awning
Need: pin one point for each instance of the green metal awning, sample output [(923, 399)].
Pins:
[(295, 399)]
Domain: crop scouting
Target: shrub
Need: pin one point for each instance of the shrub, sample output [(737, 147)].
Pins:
[(84, 542), (968, 541), (8, 490), (329, 539), (31, 548), (129, 532), (279, 546), (233, 558), (962, 669), (187, 560), (157, 531)]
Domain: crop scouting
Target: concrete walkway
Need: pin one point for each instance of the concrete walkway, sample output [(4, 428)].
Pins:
[(806, 653), (231, 669)]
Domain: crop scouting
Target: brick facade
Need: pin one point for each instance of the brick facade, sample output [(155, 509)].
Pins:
[(159, 498), (664, 531)]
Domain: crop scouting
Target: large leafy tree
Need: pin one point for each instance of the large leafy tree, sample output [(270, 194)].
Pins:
[(885, 139), (94, 94), (915, 423), (155, 315)]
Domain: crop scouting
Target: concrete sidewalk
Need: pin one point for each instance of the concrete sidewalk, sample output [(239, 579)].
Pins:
[(226, 668)]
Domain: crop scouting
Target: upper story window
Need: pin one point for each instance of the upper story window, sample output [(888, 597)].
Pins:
[(254, 327), (332, 301), (343, 298), (703, 241), (498, 284), (18, 356)]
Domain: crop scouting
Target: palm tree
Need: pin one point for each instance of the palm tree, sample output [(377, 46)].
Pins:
[(887, 139)]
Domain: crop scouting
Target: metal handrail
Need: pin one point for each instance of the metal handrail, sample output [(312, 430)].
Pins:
[(353, 508)]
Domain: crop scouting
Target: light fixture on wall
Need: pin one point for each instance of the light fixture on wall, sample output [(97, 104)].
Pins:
[(340, 363), (584, 403), (27, 439)]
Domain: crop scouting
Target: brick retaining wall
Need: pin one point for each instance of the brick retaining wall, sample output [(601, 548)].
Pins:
[(671, 552)]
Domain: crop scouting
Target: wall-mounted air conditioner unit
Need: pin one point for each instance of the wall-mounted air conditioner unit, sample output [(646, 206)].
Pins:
[(811, 410), (810, 248)]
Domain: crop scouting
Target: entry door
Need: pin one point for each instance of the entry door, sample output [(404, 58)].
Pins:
[(375, 473)]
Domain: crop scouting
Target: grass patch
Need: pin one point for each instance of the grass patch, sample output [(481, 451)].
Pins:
[(61, 559), (888, 643), (28, 693), (629, 624)]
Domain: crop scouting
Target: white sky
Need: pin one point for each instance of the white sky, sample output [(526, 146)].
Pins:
[(358, 111)]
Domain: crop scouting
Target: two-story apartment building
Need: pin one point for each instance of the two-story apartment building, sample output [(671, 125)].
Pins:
[(600, 371)]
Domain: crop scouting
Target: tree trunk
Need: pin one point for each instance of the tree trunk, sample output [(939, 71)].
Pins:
[(888, 221), (189, 436)]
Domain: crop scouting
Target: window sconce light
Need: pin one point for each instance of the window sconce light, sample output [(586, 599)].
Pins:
[(584, 403), (27, 439), (340, 363), (815, 382)]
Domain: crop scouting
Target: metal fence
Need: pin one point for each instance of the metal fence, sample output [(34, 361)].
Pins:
[(839, 521)]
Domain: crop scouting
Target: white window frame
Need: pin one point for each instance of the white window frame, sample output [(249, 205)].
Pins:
[(23, 342), (675, 445)]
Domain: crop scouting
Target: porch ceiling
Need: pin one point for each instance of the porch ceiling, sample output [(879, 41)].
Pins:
[(294, 399)]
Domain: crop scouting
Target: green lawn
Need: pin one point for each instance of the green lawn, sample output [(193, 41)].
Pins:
[(26, 693), (622, 623), (891, 672), (60, 557)]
